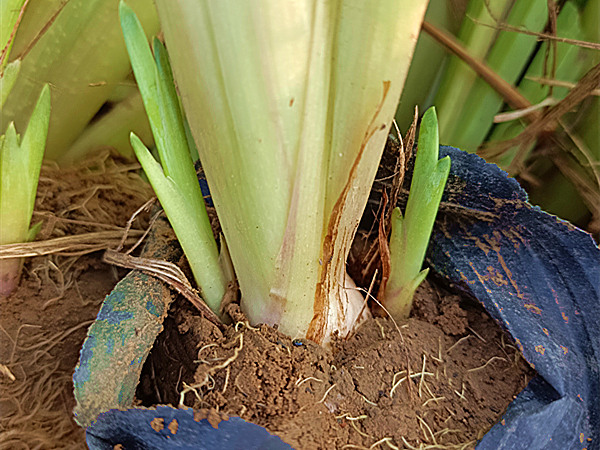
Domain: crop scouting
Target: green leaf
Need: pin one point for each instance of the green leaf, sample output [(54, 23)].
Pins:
[(144, 69), (176, 183), (34, 141), (9, 14), (410, 234), (199, 248), (112, 130), (77, 47), (33, 231), (20, 164)]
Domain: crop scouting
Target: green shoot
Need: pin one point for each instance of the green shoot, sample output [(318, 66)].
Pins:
[(411, 232), (175, 184), (20, 164)]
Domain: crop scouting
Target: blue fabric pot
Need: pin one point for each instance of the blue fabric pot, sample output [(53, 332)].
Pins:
[(537, 276)]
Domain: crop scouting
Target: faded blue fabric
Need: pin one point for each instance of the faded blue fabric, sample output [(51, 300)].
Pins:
[(539, 278), (170, 428)]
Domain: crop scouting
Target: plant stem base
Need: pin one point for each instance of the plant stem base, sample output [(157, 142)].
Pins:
[(357, 393)]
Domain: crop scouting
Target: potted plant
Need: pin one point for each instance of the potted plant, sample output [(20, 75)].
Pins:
[(290, 264)]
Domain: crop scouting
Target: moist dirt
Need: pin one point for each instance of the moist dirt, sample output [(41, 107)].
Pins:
[(439, 380)]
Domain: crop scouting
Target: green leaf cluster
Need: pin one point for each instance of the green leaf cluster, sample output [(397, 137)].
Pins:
[(20, 165)]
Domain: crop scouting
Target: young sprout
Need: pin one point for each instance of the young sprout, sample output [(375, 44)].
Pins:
[(175, 184), (20, 164), (411, 232)]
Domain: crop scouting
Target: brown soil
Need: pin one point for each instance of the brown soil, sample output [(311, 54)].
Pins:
[(44, 322), (442, 378), (40, 347), (462, 375)]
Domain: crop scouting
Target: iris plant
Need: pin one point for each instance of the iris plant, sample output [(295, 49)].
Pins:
[(289, 105)]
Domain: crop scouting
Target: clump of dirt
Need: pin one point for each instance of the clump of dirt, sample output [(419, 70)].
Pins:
[(44, 321), (442, 378)]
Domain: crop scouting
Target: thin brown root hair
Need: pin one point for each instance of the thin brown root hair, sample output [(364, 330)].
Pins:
[(34, 404)]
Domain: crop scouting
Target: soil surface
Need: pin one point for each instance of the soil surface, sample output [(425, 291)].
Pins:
[(44, 322), (442, 378)]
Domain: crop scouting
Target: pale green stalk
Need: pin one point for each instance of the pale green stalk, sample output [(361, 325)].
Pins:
[(411, 232), (76, 46), (176, 183), (20, 164), (290, 105)]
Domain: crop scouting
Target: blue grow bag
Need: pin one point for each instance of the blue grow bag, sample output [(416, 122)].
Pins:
[(537, 276)]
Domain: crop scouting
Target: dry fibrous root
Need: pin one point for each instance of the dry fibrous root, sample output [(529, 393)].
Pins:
[(35, 410), (72, 205), (435, 382), (75, 197), (208, 383)]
